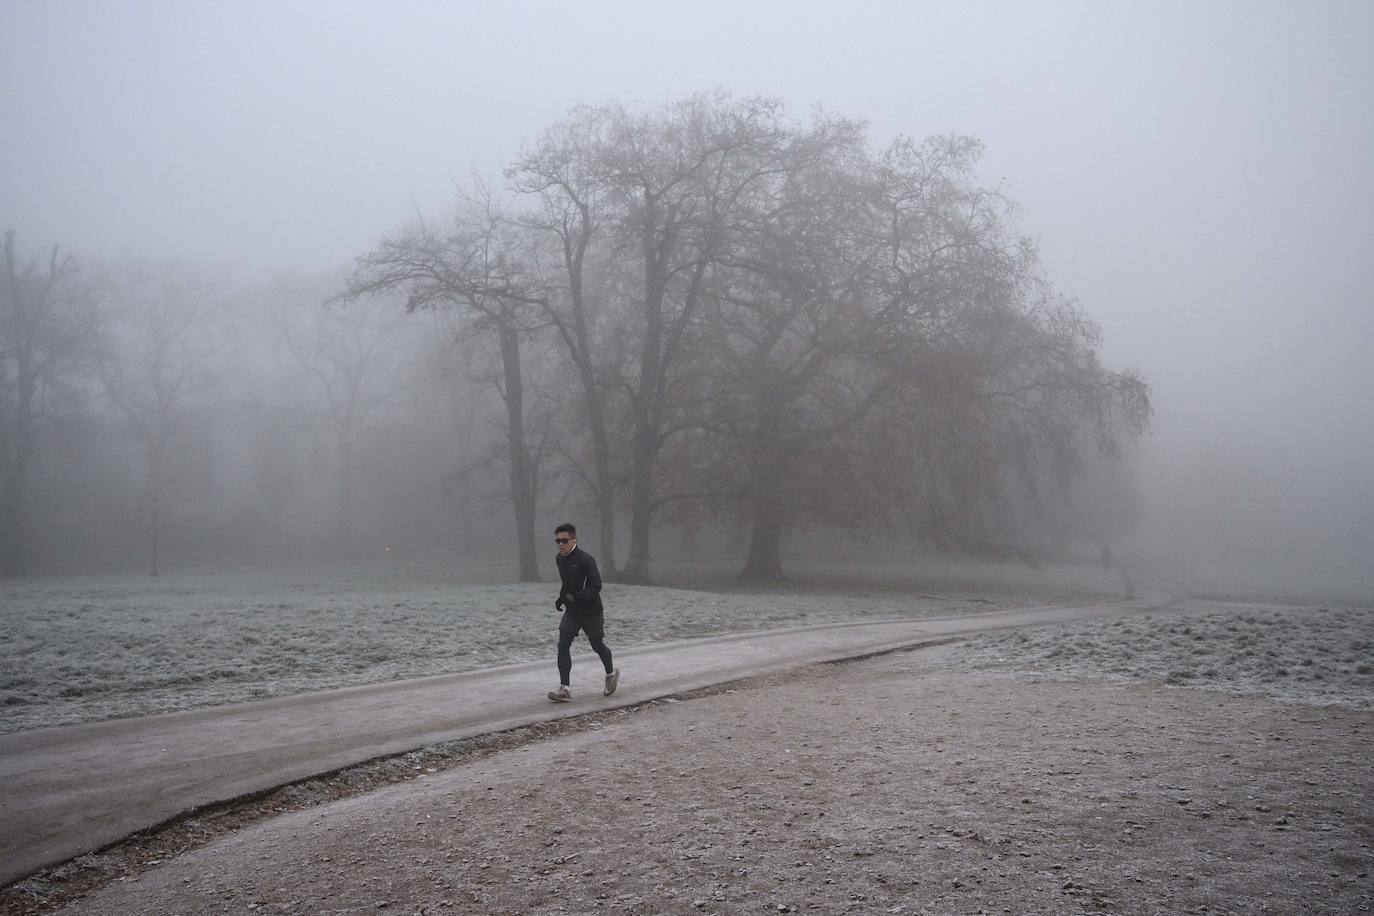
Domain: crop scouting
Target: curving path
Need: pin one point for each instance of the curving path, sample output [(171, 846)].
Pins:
[(73, 790)]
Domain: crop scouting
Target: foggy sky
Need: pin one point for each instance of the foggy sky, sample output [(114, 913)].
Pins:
[(1199, 176)]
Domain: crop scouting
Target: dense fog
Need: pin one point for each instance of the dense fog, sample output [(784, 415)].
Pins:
[(333, 282)]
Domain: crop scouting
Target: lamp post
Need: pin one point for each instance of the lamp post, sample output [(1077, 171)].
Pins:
[(152, 568)]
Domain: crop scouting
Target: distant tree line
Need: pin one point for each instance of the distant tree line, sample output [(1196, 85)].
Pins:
[(225, 420), (705, 314)]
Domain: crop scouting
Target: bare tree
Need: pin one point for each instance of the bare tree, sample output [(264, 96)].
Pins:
[(47, 329), (565, 174), (795, 342), (476, 267), (770, 320), (876, 321), (348, 353), (1006, 387), (678, 180), (160, 336)]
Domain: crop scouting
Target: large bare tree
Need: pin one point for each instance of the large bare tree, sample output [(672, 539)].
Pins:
[(47, 336), (796, 341), (877, 322), (565, 174), (675, 181), (772, 320), (477, 266)]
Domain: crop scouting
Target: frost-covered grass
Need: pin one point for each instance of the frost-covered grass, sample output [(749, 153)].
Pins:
[(83, 649), (1320, 656)]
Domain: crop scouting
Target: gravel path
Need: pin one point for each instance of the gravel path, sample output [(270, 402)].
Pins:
[(920, 782)]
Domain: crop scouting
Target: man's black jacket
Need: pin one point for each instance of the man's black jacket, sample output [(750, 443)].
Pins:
[(581, 583)]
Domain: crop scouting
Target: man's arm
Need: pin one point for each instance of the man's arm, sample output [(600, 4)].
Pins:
[(592, 584), (560, 603)]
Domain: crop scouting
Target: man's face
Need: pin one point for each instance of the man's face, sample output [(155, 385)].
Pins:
[(566, 542)]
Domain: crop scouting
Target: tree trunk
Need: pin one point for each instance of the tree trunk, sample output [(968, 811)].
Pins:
[(646, 417), (770, 467), (596, 419), (521, 474), (605, 493), (765, 546), (641, 511)]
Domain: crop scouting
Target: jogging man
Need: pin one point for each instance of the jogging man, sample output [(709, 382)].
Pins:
[(579, 599)]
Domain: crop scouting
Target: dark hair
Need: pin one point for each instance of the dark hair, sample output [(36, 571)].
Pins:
[(568, 527)]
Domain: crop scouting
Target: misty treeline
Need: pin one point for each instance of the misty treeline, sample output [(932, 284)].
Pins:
[(707, 316), (154, 408)]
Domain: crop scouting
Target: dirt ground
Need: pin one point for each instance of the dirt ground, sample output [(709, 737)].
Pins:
[(900, 784)]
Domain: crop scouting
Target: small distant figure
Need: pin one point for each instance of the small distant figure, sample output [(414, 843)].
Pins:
[(1106, 557), (579, 598)]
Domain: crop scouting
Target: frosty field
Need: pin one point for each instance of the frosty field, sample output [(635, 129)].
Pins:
[(1321, 656), (85, 649)]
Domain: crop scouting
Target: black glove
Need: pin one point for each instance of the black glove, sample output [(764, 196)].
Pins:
[(558, 603)]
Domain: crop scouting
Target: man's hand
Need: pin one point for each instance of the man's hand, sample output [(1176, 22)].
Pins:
[(558, 603)]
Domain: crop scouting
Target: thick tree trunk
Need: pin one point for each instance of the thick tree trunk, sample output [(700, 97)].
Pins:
[(521, 474), (646, 414), (764, 562), (596, 419), (641, 513), (605, 493), (770, 467)]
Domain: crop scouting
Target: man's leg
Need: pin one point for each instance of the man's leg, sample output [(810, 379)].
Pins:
[(596, 635), (567, 632), (595, 629)]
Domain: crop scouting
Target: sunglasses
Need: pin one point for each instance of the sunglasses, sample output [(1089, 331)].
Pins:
[(562, 540)]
